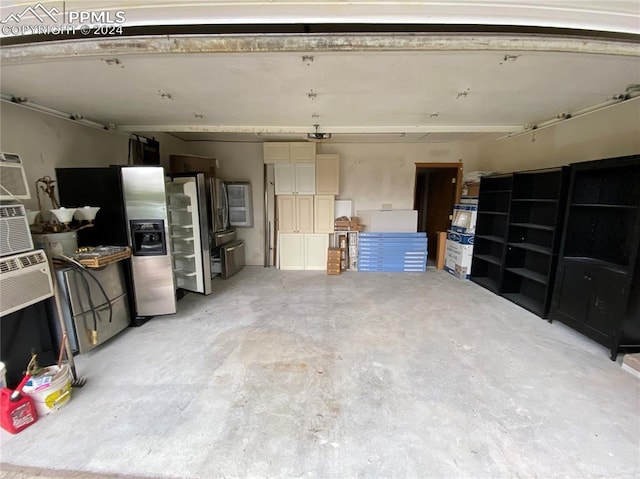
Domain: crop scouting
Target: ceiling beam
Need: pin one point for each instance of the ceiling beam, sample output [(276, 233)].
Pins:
[(325, 129), (269, 43)]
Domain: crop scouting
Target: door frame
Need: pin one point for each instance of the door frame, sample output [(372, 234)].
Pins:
[(430, 167), (458, 166)]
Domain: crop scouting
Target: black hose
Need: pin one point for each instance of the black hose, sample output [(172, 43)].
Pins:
[(76, 266)]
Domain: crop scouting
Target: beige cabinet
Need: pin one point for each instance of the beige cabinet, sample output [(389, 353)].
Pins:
[(283, 152), (276, 152), (295, 178), (327, 174), (324, 213), (298, 251), (295, 213), (302, 152)]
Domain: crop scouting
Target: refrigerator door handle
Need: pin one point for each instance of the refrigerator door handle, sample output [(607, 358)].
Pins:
[(226, 205)]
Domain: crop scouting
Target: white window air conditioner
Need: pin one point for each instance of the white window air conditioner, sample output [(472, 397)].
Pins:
[(15, 236), (25, 279), (13, 180)]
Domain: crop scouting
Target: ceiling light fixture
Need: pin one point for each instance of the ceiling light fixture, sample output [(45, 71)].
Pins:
[(317, 135)]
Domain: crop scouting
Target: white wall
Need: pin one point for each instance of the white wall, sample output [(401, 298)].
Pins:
[(241, 162), (604, 134), (45, 142), (376, 173)]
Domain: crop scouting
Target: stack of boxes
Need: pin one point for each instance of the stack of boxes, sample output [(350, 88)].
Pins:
[(347, 224), (459, 250), (333, 261), (346, 238)]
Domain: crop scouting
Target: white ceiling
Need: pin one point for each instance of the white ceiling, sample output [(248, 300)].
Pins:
[(401, 87)]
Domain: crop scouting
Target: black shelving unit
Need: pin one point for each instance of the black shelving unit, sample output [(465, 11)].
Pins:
[(533, 238), (598, 274), (491, 231)]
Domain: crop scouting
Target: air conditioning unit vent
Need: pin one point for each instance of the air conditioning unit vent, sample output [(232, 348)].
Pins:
[(7, 265), (32, 259), (11, 211)]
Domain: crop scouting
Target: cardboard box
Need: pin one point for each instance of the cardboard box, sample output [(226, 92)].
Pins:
[(193, 164), (471, 190), (458, 255), (441, 249), (464, 218)]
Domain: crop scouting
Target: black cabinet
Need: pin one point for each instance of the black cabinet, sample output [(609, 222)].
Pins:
[(491, 231), (597, 284), (518, 235)]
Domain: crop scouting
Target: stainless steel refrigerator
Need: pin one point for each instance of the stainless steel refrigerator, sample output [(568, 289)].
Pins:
[(133, 212), (227, 251)]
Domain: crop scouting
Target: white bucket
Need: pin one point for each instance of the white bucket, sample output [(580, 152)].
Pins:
[(50, 391)]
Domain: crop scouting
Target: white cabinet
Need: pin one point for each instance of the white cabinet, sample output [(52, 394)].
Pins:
[(285, 179), (315, 251), (291, 250), (305, 175), (298, 251), (327, 174), (295, 178), (283, 152), (324, 213), (295, 213)]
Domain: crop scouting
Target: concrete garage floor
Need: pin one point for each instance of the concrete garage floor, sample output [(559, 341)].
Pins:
[(364, 375)]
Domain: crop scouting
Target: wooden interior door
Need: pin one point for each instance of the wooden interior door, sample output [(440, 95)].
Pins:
[(437, 190)]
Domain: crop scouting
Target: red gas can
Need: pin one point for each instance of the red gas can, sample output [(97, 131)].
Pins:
[(19, 413)]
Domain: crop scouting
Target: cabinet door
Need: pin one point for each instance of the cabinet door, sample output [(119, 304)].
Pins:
[(305, 178), (608, 301), (285, 181), (304, 213), (327, 174), (291, 251), (276, 152), (315, 251), (287, 214), (302, 152), (574, 292), (324, 213)]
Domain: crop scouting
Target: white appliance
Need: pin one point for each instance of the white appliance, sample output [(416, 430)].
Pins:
[(189, 227), (25, 279), (13, 180), (15, 236)]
